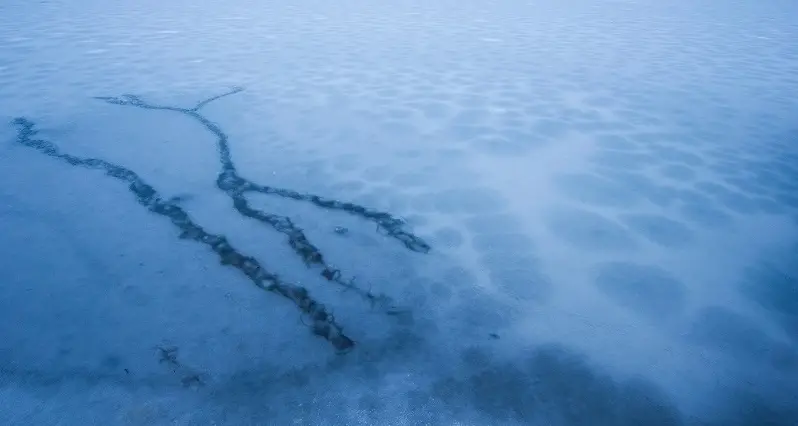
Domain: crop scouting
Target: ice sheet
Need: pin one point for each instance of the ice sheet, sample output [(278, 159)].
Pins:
[(576, 212)]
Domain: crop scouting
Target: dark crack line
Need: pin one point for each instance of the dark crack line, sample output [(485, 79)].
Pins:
[(236, 187), (201, 104), (391, 224), (323, 324)]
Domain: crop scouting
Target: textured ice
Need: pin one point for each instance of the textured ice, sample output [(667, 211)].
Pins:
[(579, 212)]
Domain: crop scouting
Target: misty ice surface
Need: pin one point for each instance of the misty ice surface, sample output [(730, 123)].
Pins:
[(609, 187)]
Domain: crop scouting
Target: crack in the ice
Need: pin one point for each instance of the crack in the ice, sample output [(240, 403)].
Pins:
[(322, 322), (236, 187)]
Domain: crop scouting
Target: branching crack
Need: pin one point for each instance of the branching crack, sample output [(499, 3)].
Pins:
[(322, 323), (237, 187)]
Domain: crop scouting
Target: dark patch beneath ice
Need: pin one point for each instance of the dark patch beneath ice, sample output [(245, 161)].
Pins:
[(774, 287), (726, 168), (509, 260), (777, 177), (595, 190), (522, 283), (466, 131), (411, 179), (654, 192), (789, 200), (422, 203), (492, 223), (678, 172), (502, 242), (518, 274), (459, 277), (703, 213), (649, 291), (555, 386), (659, 229), (616, 142), (743, 408), (500, 146), (469, 201), (738, 203), (769, 205), (377, 174), (441, 291), (710, 188), (479, 315), (676, 155), (550, 128), (726, 331), (447, 237), (623, 160), (693, 197), (746, 185), (588, 230)]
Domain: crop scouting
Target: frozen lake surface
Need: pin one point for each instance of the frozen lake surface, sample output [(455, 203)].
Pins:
[(240, 212)]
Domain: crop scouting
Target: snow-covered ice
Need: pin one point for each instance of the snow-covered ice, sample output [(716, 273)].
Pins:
[(578, 212)]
